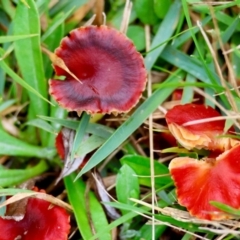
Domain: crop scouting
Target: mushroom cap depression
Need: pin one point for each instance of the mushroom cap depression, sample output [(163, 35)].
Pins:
[(107, 63)]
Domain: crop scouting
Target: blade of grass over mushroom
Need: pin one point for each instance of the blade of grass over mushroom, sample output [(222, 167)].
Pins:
[(130, 125), (4, 39), (226, 208), (77, 195), (12, 146), (92, 143), (29, 57), (80, 132), (165, 31), (19, 80), (10, 177)]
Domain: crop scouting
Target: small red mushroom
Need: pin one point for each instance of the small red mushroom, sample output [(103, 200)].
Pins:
[(200, 135), (63, 144), (215, 179), (59, 144), (41, 221), (110, 69)]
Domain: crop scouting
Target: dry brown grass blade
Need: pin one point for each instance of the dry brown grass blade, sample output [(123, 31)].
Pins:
[(202, 93), (218, 69), (213, 119), (126, 16), (81, 12), (183, 216), (98, 9), (232, 77), (57, 61), (43, 196), (151, 142)]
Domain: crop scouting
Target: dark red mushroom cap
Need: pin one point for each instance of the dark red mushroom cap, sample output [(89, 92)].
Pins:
[(200, 135), (108, 65), (199, 182), (41, 221)]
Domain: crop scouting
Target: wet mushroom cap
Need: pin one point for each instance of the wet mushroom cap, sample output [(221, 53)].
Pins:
[(41, 221), (108, 65), (181, 114), (199, 182)]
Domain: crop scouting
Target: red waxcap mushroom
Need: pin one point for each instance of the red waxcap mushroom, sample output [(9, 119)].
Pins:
[(41, 221), (110, 69), (201, 135), (199, 182), (59, 144)]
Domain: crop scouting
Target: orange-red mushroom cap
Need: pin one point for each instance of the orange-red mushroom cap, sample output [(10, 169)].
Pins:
[(200, 135), (111, 70), (199, 182), (41, 221)]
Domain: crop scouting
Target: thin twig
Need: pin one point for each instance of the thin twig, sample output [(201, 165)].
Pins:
[(126, 16), (151, 143)]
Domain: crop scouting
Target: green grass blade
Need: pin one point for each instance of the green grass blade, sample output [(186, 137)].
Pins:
[(128, 127), (12, 146), (6, 104), (19, 80), (165, 31), (29, 56), (76, 197), (80, 132), (59, 19), (141, 165), (76, 194), (93, 128), (66, 5), (225, 208), (41, 124), (127, 183), (188, 64), (10, 177), (89, 145), (4, 39)]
